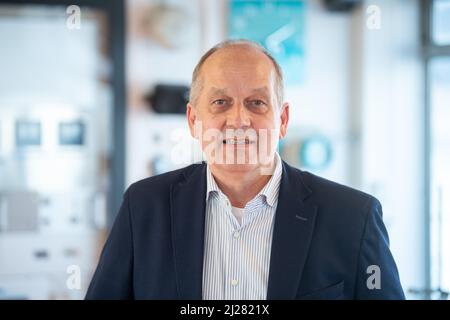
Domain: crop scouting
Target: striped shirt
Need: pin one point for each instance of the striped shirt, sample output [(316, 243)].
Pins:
[(237, 255)]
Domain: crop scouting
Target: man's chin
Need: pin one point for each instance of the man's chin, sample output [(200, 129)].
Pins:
[(245, 162), (237, 166), (243, 167)]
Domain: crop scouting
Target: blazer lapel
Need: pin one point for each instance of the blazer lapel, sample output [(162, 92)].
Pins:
[(293, 229), (188, 220)]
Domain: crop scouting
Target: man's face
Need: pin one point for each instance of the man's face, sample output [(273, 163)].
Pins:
[(236, 116)]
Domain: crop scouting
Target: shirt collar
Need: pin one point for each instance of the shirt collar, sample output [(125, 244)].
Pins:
[(270, 190), (211, 185)]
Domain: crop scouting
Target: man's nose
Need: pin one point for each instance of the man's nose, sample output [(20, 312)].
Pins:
[(238, 116)]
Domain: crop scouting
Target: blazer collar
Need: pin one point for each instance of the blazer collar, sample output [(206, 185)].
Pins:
[(188, 227), (294, 224), (293, 229)]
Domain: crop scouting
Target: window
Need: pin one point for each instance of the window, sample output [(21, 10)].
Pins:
[(441, 22), (439, 86)]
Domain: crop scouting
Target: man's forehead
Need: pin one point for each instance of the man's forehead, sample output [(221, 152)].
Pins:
[(260, 80)]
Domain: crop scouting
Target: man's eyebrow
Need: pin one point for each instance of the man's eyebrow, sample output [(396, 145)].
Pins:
[(262, 90), (223, 91)]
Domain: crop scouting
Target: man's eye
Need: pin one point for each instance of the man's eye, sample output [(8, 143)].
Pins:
[(257, 103), (219, 102)]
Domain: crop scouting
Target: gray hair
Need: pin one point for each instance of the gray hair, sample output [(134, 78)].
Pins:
[(196, 84)]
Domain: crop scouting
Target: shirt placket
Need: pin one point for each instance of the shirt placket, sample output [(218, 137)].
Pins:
[(237, 263), (233, 277)]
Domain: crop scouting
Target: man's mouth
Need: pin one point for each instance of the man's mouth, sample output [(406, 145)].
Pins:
[(237, 141)]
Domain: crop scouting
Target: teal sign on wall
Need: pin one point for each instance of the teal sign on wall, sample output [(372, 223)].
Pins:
[(278, 26)]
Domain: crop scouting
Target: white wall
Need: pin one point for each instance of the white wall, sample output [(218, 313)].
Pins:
[(149, 63), (321, 104)]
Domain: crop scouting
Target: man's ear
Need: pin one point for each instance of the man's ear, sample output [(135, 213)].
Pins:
[(284, 117), (191, 115)]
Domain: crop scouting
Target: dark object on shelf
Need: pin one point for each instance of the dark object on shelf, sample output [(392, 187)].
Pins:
[(169, 98), (341, 5)]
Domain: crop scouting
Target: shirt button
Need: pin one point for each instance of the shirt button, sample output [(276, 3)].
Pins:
[(236, 234), (234, 282)]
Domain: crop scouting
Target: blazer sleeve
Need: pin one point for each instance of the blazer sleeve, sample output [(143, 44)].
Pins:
[(377, 275), (113, 278)]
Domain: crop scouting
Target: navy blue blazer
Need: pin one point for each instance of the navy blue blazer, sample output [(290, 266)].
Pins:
[(325, 238)]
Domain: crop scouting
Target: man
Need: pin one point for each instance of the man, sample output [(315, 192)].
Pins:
[(245, 225)]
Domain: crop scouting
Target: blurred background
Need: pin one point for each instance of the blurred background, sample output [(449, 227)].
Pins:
[(93, 94)]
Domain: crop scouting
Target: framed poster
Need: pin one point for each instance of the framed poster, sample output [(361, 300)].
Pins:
[(28, 133), (279, 26), (71, 133)]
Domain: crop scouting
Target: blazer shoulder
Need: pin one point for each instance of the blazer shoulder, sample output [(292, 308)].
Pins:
[(324, 190), (162, 182)]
